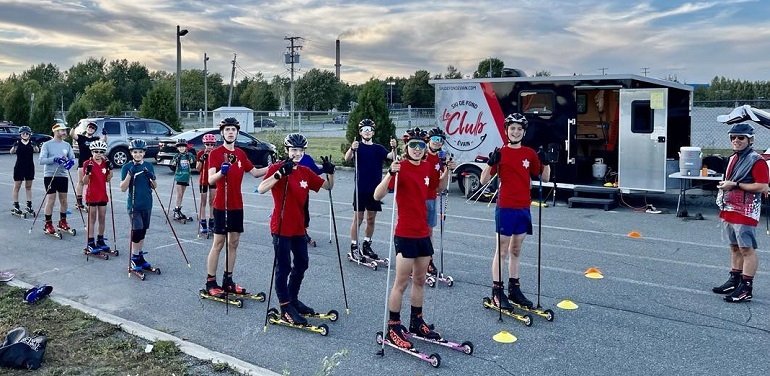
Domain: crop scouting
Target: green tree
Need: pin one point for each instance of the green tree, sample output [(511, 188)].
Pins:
[(17, 106), (131, 81), (115, 108), (99, 95), (160, 103), (43, 112), (418, 92), (317, 90), (280, 87), (348, 94), (452, 73), (484, 65), (259, 97), (372, 105), (78, 110), (81, 75), (48, 75)]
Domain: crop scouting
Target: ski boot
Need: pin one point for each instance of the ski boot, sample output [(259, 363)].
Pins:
[(290, 315), (212, 291), (366, 250), (419, 328), (396, 335), (743, 293), (139, 265), (356, 256), (50, 230), (203, 229), (179, 217), (94, 250), (499, 302), (17, 212), (310, 240), (730, 285), (397, 339), (301, 308), (211, 225), (516, 297), (29, 209), (65, 227), (105, 248)]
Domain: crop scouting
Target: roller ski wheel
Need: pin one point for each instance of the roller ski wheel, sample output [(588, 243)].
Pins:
[(433, 359), (17, 212), (547, 314), (447, 280), (274, 317), (51, 231), (183, 220), (95, 253), (430, 280), (525, 318), (332, 316), (137, 273), (260, 296), (363, 261), (62, 226), (238, 302), (465, 347), (81, 207)]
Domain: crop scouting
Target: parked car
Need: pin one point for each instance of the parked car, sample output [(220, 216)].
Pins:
[(340, 119), (121, 130), (9, 133), (260, 153), (265, 123)]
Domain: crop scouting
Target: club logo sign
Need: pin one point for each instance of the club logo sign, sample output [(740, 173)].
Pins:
[(465, 116)]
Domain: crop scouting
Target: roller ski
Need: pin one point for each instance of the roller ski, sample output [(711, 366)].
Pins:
[(518, 300), (291, 318), (92, 250), (499, 302), (465, 347), (180, 217), (17, 212), (63, 226), (29, 209), (204, 230), (355, 256), (432, 276), (366, 250), (217, 294), (81, 207), (139, 265), (234, 289), (308, 312), (104, 248), (48, 229), (398, 340)]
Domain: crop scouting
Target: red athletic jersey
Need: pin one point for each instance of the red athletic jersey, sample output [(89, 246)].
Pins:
[(413, 185), (301, 180), (96, 190), (515, 168), (239, 165), (204, 171), (760, 174), (435, 165)]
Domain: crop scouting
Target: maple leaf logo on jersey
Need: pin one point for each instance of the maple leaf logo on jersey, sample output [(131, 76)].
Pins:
[(427, 180), (303, 184), (438, 166), (104, 170), (525, 163)]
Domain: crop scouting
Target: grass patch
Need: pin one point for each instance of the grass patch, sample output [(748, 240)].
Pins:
[(79, 344), (317, 145)]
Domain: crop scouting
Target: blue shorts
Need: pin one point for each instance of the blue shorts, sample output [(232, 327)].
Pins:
[(432, 218), (510, 222), (140, 219)]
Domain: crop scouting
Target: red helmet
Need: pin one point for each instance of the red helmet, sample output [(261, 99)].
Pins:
[(209, 138)]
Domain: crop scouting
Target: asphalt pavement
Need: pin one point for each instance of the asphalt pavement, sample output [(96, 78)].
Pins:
[(652, 313)]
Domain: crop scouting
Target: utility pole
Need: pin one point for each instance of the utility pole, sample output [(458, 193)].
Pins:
[(645, 71), (205, 89), (489, 74), (603, 71), (292, 58), (232, 79)]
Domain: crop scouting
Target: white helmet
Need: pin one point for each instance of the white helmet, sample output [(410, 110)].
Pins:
[(98, 145)]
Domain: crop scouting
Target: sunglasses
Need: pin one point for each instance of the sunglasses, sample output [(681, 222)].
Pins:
[(437, 139), (740, 138), (209, 144), (367, 129), (97, 151), (417, 145)]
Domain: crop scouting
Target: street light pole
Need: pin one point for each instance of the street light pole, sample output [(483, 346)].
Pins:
[(179, 35), (205, 89), (391, 84)]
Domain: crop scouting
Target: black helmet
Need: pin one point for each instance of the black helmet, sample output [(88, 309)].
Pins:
[(93, 125), (295, 140), (516, 118), (437, 132), (25, 129), (181, 142), (415, 134), (741, 129), (366, 123), (229, 121), (137, 144)]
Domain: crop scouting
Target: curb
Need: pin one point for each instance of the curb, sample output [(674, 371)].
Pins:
[(153, 335)]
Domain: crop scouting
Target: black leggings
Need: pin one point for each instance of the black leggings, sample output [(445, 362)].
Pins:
[(284, 246)]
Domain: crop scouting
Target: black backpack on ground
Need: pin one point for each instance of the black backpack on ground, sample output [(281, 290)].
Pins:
[(20, 350)]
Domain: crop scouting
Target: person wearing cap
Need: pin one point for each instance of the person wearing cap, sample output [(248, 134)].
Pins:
[(57, 158), (84, 141), (183, 162), (24, 169), (740, 202)]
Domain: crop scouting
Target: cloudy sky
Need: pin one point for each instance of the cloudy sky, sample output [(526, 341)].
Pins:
[(379, 38)]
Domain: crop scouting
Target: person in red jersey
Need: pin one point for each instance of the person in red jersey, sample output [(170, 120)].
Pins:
[(97, 171), (412, 235), (227, 165), (289, 183), (514, 164), (207, 190), (441, 164)]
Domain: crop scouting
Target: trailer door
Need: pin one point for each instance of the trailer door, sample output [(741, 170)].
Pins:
[(642, 139)]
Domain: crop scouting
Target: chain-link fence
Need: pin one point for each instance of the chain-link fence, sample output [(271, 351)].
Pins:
[(711, 135)]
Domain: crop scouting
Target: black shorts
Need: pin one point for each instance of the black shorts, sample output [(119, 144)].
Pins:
[(22, 174), (412, 248), (204, 188), (140, 219), (100, 203), (234, 221), (82, 160), (59, 184), (182, 183), (367, 202)]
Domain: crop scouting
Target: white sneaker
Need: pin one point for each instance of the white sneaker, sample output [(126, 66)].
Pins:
[(6, 276)]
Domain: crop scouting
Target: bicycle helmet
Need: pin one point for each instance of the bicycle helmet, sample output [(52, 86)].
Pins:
[(415, 134), (137, 144), (366, 123), (98, 145), (229, 121), (741, 129), (437, 132), (295, 140), (516, 118), (25, 129), (209, 139), (92, 125), (181, 142)]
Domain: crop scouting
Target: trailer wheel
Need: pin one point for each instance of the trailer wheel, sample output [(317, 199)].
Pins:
[(473, 175)]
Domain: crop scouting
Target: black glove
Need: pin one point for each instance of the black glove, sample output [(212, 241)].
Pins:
[(104, 131), (89, 168), (286, 167), (15, 144), (109, 166), (542, 156), (494, 157), (149, 174), (204, 157), (327, 165)]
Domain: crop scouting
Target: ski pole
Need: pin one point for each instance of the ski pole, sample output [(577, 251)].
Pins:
[(170, 225), (339, 257), (355, 191), (76, 196), (131, 214), (479, 192), (276, 247), (390, 255), (493, 197), (195, 204), (171, 195), (45, 196), (499, 273), (330, 223), (112, 215), (88, 230), (539, 233), (227, 246)]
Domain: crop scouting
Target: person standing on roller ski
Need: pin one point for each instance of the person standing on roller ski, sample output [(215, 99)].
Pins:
[(740, 203), (308, 162), (84, 141), (207, 190), (57, 158), (411, 236), (183, 162), (290, 183), (137, 177), (437, 159), (227, 166), (369, 158), (24, 169), (97, 173), (514, 164)]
